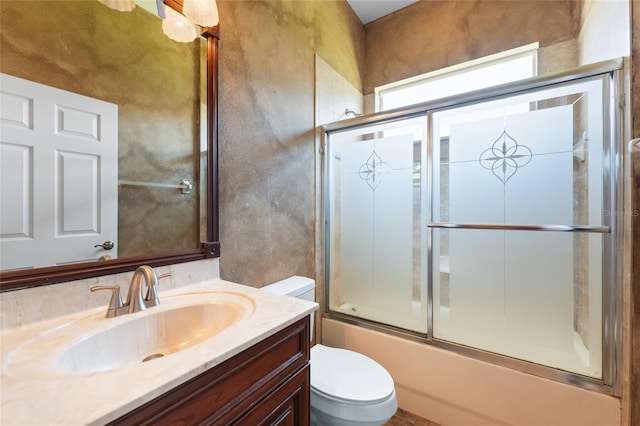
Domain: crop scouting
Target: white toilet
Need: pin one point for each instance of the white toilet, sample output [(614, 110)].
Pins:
[(347, 388)]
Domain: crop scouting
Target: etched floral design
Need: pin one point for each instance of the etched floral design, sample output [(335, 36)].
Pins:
[(505, 157), (371, 170)]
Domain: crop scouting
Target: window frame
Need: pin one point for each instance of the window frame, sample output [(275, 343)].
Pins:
[(529, 50)]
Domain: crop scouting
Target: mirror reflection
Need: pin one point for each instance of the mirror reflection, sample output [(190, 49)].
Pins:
[(106, 79)]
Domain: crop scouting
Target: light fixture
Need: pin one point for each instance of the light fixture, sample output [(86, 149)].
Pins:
[(120, 5), (202, 12), (177, 27)]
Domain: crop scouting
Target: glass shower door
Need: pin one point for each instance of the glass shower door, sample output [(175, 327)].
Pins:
[(377, 223), (519, 196)]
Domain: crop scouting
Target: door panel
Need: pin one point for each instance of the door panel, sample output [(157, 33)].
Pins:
[(59, 193)]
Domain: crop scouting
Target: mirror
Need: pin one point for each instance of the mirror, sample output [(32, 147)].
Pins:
[(166, 127)]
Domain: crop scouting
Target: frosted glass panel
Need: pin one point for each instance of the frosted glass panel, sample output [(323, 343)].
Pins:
[(511, 293), (509, 201), (519, 165), (356, 241), (531, 295), (376, 226)]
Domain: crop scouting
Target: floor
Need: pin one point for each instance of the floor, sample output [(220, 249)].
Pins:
[(405, 418)]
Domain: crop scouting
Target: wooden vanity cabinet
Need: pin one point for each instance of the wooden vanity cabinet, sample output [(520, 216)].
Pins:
[(266, 384)]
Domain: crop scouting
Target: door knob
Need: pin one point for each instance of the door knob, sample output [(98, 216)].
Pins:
[(107, 245)]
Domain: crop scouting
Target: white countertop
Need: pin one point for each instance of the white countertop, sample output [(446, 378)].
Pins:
[(29, 396)]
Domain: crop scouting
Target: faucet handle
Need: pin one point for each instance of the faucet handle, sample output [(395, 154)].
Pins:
[(152, 299), (116, 301)]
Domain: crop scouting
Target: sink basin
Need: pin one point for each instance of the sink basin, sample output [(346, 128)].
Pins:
[(100, 344), (149, 337)]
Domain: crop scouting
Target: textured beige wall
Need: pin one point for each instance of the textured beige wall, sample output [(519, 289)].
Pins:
[(267, 161), (430, 35), (122, 58), (635, 313)]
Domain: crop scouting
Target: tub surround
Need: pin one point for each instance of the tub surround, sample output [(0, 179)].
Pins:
[(97, 398), (452, 389)]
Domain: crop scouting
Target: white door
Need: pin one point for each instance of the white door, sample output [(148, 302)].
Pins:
[(58, 175)]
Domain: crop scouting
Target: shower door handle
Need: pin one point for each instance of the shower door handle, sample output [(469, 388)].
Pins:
[(504, 227)]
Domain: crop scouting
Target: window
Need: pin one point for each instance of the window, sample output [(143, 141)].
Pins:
[(504, 67)]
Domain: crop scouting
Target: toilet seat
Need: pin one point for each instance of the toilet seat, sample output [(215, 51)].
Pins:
[(347, 388), (349, 377)]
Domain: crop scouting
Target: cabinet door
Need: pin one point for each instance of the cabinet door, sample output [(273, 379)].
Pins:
[(288, 405), (267, 383)]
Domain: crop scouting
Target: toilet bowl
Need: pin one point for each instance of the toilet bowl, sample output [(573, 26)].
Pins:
[(347, 388)]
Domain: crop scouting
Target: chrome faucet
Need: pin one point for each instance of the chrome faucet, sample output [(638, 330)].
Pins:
[(135, 302)]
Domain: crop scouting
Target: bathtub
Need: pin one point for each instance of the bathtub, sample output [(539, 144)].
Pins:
[(452, 389)]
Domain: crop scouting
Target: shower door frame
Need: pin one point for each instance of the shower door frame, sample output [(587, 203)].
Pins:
[(612, 287)]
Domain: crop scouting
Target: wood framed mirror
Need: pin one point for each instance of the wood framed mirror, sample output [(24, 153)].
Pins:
[(207, 188)]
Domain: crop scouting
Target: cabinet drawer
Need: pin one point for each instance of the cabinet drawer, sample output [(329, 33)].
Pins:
[(223, 394), (287, 405)]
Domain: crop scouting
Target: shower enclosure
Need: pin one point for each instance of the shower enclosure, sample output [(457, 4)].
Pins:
[(485, 223)]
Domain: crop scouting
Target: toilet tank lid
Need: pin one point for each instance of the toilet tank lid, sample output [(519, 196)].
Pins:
[(349, 375), (293, 286)]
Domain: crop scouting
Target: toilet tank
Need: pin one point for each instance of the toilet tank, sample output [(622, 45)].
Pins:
[(298, 287)]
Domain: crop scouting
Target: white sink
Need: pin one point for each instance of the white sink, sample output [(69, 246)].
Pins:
[(149, 337), (99, 344)]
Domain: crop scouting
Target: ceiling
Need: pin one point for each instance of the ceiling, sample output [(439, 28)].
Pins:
[(370, 10), (367, 10)]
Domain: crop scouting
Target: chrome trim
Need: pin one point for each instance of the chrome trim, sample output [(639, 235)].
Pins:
[(505, 227), (430, 185), (612, 300), (516, 364), (324, 151), (482, 94), (609, 179)]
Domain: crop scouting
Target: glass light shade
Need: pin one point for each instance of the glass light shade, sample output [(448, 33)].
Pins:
[(178, 28), (202, 12), (120, 5)]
